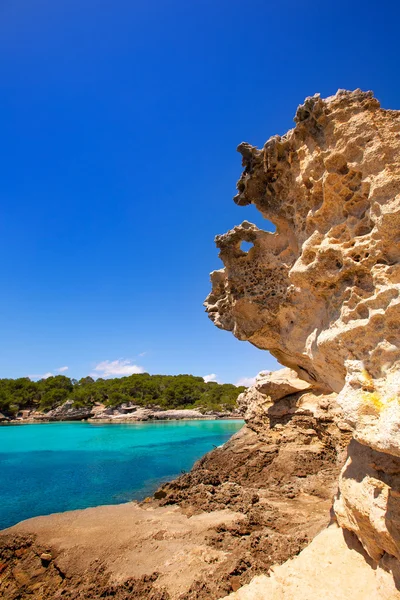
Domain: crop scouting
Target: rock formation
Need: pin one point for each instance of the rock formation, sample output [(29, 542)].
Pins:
[(322, 292), (334, 566)]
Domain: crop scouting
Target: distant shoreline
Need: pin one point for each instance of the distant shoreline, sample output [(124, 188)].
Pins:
[(119, 421), (124, 413)]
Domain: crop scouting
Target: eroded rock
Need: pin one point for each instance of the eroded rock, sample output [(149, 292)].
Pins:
[(281, 471), (322, 293), (333, 566), (369, 499)]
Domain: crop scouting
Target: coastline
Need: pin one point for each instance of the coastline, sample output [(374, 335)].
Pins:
[(245, 506), (131, 413), (189, 541), (202, 536), (74, 465), (120, 421)]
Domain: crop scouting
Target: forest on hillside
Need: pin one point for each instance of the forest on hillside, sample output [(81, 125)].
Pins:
[(167, 391)]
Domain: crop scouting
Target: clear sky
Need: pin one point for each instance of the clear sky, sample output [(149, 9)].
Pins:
[(119, 124)]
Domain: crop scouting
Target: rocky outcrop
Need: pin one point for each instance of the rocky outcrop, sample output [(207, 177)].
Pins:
[(132, 412), (294, 443), (369, 500), (280, 471), (68, 412), (334, 566), (322, 293)]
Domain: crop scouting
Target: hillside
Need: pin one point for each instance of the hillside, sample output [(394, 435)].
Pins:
[(166, 391)]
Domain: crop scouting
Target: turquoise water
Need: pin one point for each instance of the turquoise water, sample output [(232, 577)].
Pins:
[(54, 467)]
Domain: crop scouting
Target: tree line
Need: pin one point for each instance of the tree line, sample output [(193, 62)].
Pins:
[(167, 391)]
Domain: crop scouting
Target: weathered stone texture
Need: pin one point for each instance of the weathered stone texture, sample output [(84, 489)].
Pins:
[(322, 293)]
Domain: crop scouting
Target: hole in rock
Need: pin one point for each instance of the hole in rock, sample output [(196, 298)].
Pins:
[(245, 246)]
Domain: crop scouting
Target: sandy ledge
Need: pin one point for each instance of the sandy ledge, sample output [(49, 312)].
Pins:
[(133, 541)]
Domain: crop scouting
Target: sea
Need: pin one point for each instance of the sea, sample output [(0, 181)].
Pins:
[(54, 467)]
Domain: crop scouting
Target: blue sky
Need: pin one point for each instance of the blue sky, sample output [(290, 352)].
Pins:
[(119, 126)]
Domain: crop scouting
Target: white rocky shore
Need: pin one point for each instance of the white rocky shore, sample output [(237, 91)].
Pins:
[(125, 413)]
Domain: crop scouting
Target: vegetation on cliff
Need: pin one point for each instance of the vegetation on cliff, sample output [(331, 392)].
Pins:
[(167, 391)]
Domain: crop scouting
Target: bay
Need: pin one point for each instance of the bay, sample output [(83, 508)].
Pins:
[(54, 467)]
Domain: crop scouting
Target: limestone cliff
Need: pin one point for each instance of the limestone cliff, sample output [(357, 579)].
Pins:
[(322, 292)]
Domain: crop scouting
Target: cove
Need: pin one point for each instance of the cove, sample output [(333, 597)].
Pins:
[(54, 467)]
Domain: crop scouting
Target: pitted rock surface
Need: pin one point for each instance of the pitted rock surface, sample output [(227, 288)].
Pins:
[(322, 293)]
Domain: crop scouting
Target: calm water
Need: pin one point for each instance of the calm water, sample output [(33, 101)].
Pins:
[(55, 467)]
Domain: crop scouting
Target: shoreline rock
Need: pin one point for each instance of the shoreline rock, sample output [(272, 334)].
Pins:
[(99, 413), (322, 293)]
